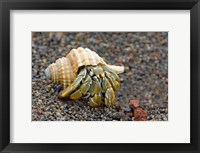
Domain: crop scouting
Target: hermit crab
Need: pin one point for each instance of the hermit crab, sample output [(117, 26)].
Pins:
[(84, 74)]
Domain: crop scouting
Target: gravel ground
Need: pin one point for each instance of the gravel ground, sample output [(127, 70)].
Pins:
[(144, 55)]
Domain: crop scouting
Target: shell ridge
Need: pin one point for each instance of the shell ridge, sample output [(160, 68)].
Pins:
[(93, 57), (79, 58), (72, 58)]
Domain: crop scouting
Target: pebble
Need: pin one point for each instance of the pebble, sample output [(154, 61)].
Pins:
[(58, 114)]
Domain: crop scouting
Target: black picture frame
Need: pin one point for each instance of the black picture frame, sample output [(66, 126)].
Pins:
[(7, 5)]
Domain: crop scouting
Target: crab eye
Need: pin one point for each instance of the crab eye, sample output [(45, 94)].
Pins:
[(91, 73)]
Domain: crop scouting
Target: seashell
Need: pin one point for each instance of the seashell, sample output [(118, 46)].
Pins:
[(65, 69)]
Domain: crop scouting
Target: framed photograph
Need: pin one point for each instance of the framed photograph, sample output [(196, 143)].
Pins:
[(99, 76)]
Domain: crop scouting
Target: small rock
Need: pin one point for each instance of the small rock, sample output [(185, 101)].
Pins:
[(134, 103)]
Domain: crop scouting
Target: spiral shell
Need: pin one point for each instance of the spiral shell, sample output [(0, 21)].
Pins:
[(65, 69)]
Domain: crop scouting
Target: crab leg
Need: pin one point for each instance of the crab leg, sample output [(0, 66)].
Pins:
[(109, 97), (95, 101), (115, 84), (108, 90), (95, 91)]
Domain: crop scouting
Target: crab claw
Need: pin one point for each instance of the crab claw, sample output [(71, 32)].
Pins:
[(71, 88), (83, 89)]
